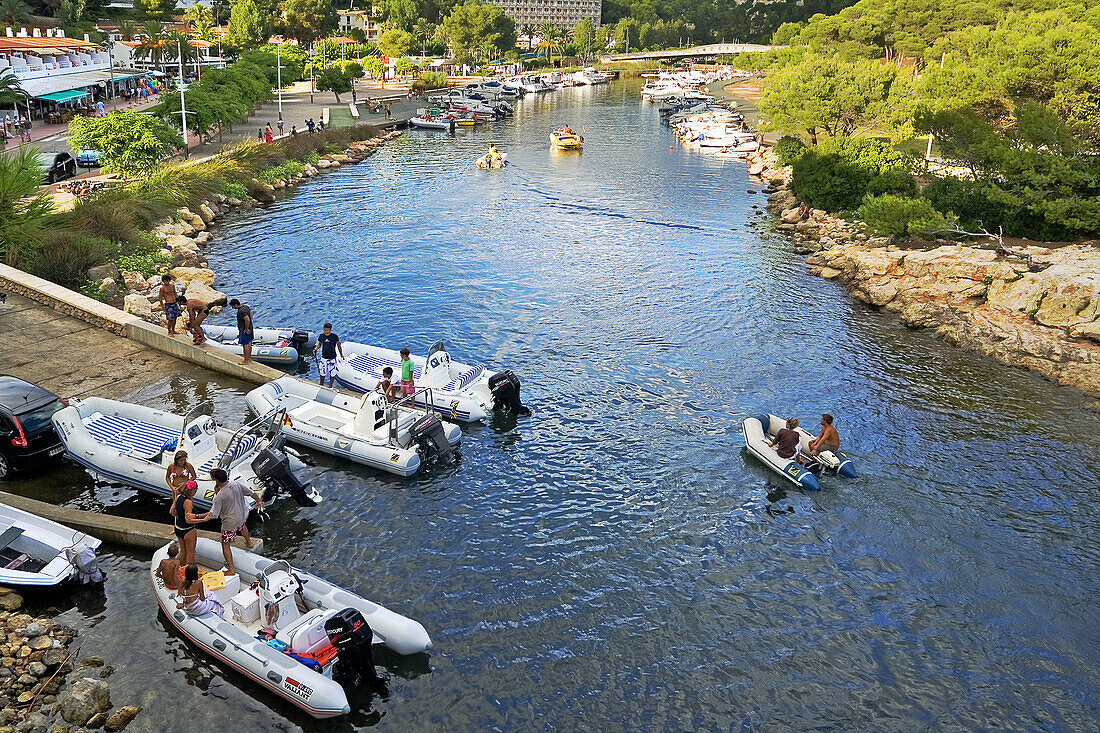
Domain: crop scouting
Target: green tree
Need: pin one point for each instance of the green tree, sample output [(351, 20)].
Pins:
[(334, 80), (154, 47), (129, 142), (11, 92), (14, 13), (404, 65), (528, 31), (401, 14), (309, 20), (373, 66), (155, 8), (23, 207), (584, 36), (246, 26), (472, 26), (199, 18), (395, 43)]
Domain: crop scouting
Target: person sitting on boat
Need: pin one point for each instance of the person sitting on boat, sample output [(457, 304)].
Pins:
[(787, 443), (193, 596), (829, 439), (169, 568), (565, 130), (386, 386)]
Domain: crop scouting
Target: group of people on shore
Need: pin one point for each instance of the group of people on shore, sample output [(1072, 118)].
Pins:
[(230, 505), (175, 306)]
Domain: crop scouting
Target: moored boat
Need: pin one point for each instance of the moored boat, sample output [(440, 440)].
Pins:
[(428, 122), (364, 429), (565, 139), (134, 445), (39, 552), (299, 636), (759, 430), (278, 347)]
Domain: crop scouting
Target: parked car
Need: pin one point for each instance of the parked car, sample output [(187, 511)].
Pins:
[(88, 158), (27, 436), (58, 166)]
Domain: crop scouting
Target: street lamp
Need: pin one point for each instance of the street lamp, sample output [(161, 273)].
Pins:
[(183, 102), (311, 70), (279, 75)]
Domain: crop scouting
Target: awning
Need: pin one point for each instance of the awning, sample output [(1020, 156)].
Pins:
[(63, 96), (129, 76)]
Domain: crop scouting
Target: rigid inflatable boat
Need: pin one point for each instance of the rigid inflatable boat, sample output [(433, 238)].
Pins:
[(459, 392), (278, 347), (759, 430), (37, 552), (134, 445), (298, 635), (566, 139), (365, 429)]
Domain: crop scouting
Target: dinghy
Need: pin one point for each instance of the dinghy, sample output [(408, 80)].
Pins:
[(301, 637), (488, 162), (565, 139), (759, 430), (364, 429), (37, 552), (278, 347), (459, 392), (433, 123), (134, 445)]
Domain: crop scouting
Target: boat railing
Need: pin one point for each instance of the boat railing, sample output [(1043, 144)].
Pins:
[(409, 401), (264, 427)]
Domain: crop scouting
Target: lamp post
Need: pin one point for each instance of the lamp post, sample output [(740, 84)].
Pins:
[(279, 75), (311, 70), (183, 101)]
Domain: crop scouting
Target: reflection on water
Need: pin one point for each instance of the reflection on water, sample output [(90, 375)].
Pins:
[(615, 560)]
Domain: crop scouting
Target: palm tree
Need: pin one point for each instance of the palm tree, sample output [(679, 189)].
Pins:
[(550, 36), (23, 207), (199, 18), (528, 31), (177, 43), (14, 12), (11, 92), (127, 29), (153, 48)]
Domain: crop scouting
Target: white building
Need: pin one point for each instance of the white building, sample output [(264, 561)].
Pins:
[(562, 13), (360, 19)]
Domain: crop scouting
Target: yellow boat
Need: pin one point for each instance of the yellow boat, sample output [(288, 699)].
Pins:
[(566, 139)]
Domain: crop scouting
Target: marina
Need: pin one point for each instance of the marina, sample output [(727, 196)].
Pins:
[(617, 548)]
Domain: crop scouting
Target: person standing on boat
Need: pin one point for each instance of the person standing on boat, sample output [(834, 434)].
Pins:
[(179, 473), (829, 439), (408, 386), (169, 301), (185, 521), (244, 328), (329, 344), (230, 505)]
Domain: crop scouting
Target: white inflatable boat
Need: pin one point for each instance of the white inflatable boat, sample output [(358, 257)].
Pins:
[(458, 392), (759, 430), (364, 429), (37, 552), (272, 346), (134, 445), (299, 636)]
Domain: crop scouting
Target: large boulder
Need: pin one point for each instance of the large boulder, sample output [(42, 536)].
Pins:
[(193, 274), (200, 291), (206, 213), (102, 272), (791, 216), (84, 699), (133, 280), (138, 305)]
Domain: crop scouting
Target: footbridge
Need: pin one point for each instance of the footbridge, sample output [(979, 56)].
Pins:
[(709, 49)]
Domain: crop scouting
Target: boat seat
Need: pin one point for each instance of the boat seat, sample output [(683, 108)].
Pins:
[(243, 448), (308, 632), (291, 402), (10, 535), (130, 435), (374, 364), (460, 382)]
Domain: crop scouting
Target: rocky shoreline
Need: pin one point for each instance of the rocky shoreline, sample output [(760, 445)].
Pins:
[(183, 239), (1031, 306), (44, 688)]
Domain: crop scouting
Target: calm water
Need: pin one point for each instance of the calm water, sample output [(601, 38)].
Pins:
[(615, 560)]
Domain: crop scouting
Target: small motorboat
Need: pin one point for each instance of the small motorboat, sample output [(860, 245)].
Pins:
[(427, 122), (299, 636), (457, 392), (37, 552), (278, 347), (565, 139), (364, 429), (134, 445), (491, 162), (758, 430), (738, 151)]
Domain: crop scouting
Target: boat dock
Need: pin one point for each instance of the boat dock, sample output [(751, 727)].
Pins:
[(115, 530)]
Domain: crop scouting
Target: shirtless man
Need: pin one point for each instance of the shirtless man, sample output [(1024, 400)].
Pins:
[(169, 568), (196, 314), (829, 439), (168, 299)]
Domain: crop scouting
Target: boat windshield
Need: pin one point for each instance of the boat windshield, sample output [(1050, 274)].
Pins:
[(34, 421), (437, 346)]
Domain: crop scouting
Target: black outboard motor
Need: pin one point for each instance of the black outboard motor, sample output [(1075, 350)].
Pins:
[(505, 389), (272, 466), (430, 440), (298, 340), (350, 633)]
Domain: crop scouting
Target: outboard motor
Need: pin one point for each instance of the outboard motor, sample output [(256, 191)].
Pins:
[(350, 633), (272, 466), (431, 441), (504, 387), (86, 570), (298, 341)]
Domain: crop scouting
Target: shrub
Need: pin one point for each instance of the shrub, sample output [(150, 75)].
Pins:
[(788, 149), (286, 170), (894, 181), (836, 175), (983, 207), (235, 190), (144, 262), (898, 215), (311, 158), (429, 80), (65, 256)]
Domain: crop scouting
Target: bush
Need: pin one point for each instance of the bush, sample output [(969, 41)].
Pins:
[(144, 262), (898, 215), (286, 170), (235, 190), (836, 175), (64, 257), (981, 207), (429, 80), (788, 149), (895, 182)]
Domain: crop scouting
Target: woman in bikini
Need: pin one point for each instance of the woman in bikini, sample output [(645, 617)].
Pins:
[(179, 473), (193, 596), (185, 521)]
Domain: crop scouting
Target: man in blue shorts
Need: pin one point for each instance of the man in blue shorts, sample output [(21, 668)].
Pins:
[(244, 328), (169, 299), (329, 345)]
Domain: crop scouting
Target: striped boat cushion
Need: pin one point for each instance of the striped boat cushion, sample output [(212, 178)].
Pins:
[(460, 383), (130, 435), (246, 446), (373, 365)]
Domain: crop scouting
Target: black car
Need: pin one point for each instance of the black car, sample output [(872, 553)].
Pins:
[(27, 437), (58, 166)]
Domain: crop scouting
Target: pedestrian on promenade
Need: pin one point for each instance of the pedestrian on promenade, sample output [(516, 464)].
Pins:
[(230, 505), (408, 387), (293, 131), (267, 134), (196, 314), (260, 134), (353, 100), (329, 344), (389, 116), (309, 125), (169, 301), (279, 124), (244, 328), (100, 112), (321, 125)]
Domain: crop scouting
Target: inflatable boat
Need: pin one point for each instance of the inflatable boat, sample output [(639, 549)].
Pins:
[(364, 429), (487, 162), (134, 445), (459, 392), (272, 346), (303, 638), (37, 552), (759, 430)]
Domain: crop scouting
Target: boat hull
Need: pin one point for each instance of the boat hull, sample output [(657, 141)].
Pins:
[(756, 431), (41, 540)]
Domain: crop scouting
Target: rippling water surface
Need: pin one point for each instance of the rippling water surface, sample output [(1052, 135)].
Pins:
[(615, 560)]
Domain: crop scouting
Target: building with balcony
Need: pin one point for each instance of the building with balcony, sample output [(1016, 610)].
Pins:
[(360, 19), (562, 13)]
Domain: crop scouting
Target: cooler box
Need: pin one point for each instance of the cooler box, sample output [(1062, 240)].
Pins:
[(246, 606)]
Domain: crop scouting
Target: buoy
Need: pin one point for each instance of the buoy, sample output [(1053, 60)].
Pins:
[(670, 147)]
